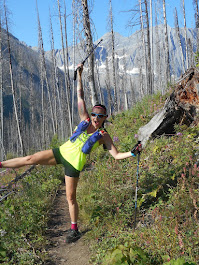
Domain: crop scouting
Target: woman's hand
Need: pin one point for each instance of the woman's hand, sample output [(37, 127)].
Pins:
[(137, 148), (80, 69)]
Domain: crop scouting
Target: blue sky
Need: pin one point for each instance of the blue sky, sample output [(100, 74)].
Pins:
[(23, 18)]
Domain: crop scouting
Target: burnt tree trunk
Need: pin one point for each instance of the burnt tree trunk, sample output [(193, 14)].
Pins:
[(181, 107)]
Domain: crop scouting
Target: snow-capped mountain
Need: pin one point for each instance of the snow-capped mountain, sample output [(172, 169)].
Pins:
[(129, 52)]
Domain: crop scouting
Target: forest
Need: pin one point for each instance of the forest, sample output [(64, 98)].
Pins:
[(37, 96), (134, 77)]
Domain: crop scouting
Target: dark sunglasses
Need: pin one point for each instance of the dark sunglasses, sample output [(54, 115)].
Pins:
[(93, 114)]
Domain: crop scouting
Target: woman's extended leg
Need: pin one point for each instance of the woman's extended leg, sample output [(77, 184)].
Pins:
[(42, 158)]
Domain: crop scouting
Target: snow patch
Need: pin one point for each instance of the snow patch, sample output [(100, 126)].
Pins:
[(134, 71)]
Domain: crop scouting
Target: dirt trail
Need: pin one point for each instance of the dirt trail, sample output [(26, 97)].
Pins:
[(61, 253)]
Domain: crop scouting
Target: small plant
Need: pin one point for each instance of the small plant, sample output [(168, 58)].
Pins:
[(124, 254)]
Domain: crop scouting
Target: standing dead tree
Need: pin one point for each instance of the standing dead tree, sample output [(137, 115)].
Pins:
[(99, 89), (42, 113), (116, 105), (152, 45), (89, 48), (74, 44), (66, 42), (41, 47), (141, 17), (65, 70), (195, 3), (56, 85), (158, 63), (67, 55), (1, 99), (22, 151), (148, 46), (179, 39), (108, 87), (124, 83), (144, 49), (167, 61), (185, 34)]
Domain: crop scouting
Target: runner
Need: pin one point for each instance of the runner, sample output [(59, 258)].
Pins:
[(88, 136)]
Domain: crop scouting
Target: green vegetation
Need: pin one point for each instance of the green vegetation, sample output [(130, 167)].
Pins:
[(24, 216), (167, 229)]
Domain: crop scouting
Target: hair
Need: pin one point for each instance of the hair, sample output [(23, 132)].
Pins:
[(100, 106)]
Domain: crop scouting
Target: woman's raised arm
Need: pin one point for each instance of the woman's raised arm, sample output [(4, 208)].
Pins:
[(83, 113)]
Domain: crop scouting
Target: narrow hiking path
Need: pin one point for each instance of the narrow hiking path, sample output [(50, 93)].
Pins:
[(59, 252)]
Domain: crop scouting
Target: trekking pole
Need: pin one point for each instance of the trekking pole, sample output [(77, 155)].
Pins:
[(136, 189), (75, 73)]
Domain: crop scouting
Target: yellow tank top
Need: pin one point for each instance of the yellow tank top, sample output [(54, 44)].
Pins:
[(72, 152)]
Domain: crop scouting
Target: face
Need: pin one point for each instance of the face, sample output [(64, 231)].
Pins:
[(97, 120)]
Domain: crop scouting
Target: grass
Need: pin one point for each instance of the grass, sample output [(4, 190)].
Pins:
[(167, 228), (24, 217), (167, 231)]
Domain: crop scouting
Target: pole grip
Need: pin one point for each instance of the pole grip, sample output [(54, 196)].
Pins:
[(75, 72)]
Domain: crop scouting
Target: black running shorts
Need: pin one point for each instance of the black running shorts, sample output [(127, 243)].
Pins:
[(69, 169)]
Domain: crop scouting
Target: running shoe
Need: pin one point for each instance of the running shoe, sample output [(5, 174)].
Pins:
[(72, 236)]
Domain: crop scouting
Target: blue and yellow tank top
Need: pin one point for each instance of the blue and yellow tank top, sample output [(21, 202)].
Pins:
[(72, 152)]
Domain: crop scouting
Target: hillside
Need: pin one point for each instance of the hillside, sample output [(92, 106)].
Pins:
[(25, 64), (167, 229), (28, 85)]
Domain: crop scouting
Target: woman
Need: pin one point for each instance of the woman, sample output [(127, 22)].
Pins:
[(73, 153)]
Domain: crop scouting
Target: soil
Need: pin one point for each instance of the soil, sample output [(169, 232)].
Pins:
[(59, 252)]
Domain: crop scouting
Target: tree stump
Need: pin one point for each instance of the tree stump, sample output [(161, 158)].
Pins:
[(181, 107)]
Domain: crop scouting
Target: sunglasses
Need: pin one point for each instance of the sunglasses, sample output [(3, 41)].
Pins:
[(93, 114)]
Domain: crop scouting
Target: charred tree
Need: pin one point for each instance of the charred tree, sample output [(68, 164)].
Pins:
[(66, 47), (56, 86), (144, 50), (65, 70), (148, 46), (41, 47), (167, 61), (89, 48), (124, 84), (1, 100), (185, 34), (74, 52), (195, 2), (158, 64), (179, 39), (181, 107), (108, 87), (152, 45), (116, 106), (22, 151)]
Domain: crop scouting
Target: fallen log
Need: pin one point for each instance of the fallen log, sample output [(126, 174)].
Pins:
[(181, 107)]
